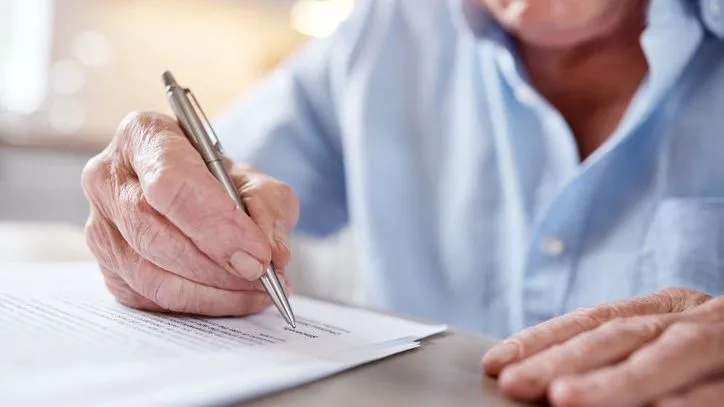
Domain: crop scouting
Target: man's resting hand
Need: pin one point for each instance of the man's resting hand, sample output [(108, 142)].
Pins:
[(663, 349)]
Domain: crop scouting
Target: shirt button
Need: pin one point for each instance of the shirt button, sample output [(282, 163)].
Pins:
[(552, 246), (525, 96)]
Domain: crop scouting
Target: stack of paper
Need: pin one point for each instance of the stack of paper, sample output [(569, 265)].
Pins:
[(65, 341)]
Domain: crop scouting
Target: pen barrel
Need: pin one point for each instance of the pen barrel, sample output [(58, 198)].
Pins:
[(192, 125), (198, 134), (217, 169)]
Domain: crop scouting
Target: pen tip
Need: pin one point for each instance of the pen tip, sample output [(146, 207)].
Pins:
[(168, 79)]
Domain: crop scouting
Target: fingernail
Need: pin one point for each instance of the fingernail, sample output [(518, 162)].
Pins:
[(247, 266), (502, 354)]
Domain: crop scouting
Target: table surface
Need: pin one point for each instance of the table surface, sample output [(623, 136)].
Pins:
[(444, 371)]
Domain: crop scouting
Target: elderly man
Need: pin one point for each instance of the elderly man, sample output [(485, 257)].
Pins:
[(502, 162)]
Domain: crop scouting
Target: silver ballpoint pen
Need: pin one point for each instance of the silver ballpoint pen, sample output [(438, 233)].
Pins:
[(189, 115)]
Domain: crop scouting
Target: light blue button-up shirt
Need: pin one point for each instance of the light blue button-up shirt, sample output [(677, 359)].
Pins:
[(416, 125)]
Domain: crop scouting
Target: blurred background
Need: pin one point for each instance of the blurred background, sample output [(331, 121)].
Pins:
[(71, 69)]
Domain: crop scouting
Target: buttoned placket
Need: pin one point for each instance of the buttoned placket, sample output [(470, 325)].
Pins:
[(547, 269)]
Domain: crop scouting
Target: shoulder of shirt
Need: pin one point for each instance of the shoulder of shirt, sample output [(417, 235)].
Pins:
[(431, 11)]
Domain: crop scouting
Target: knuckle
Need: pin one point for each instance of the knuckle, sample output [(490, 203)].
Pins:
[(616, 326), (138, 123), (146, 238), (584, 322), (267, 186), (693, 334), (164, 188), (120, 290), (591, 317), (582, 311), (716, 308), (143, 135), (527, 339), (526, 335), (153, 286), (129, 300), (266, 191), (705, 332), (600, 314), (677, 291), (186, 300), (291, 199), (279, 200), (682, 298), (575, 352), (94, 174), (130, 127), (100, 242), (718, 303), (522, 342), (92, 234), (283, 190), (649, 327), (642, 328), (148, 235)]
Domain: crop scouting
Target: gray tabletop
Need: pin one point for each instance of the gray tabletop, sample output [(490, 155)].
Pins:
[(444, 371)]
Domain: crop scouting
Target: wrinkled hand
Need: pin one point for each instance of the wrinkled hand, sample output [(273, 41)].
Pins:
[(663, 349), (166, 235)]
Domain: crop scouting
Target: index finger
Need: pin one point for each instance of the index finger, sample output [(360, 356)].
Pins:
[(540, 337), (177, 184), (685, 354)]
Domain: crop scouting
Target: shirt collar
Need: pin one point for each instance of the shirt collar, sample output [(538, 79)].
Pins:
[(471, 16), (674, 31), (670, 22), (680, 22)]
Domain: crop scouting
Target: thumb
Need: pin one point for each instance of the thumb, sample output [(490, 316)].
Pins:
[(274, 208)]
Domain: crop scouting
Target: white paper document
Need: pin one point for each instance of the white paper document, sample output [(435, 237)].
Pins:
[(64, 340)]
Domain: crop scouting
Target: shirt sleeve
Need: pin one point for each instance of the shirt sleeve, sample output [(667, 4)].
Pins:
[(288, 127)]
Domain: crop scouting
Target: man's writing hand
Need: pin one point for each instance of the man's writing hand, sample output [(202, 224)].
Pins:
[(166, 235)]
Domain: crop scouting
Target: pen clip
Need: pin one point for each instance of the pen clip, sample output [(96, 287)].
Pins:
[(207, 124)]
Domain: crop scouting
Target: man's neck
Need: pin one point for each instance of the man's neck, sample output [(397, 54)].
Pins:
[(591, 84)]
